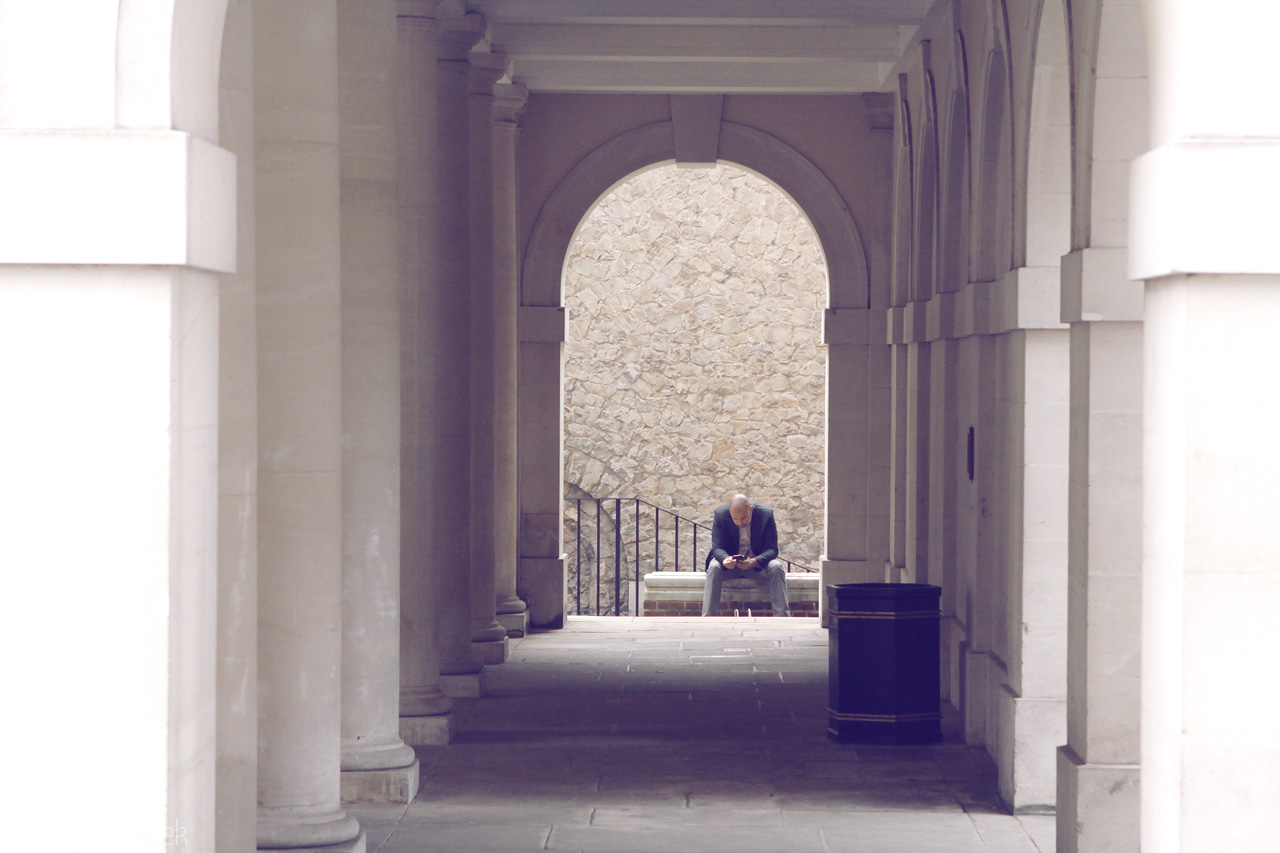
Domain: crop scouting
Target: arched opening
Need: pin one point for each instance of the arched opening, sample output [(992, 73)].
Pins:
[(993, 209), (903, 200), (694, 369), (953, 264), (925, 280), (543, 550), (1048, 214)]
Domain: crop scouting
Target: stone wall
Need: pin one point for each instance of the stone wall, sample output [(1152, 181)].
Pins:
[(694, 367)]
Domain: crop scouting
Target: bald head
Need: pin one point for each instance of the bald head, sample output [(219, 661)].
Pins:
[(740, 510)]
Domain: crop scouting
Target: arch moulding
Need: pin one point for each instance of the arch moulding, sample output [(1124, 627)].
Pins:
[(541, 579)]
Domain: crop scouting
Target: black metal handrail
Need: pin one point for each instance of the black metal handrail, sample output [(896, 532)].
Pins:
[(619, 570)]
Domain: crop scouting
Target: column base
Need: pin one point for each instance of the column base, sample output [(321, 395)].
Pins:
[(424, 701), (304, 828), (516, 624), (386, 753), (974, 681), (1098, 805), (397, 785), (489, 652), (1028, 732), (489, 633), (427, 731), (355, 845), (466, 686)]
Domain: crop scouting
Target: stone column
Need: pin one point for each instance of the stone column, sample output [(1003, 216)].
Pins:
[(237, 731), (449, 322), (377, 765), (509, 102), (299, 427), (1202, 236), (487, 636), (424, 708)]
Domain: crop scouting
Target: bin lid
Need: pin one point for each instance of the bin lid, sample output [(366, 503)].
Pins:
[(885, 594)]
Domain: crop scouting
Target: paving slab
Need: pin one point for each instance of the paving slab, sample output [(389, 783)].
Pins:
[(643, 735), (658, 817), (426, 835), (686, 839)]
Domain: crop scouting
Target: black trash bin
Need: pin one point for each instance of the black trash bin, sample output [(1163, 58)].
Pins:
[(884, 668)]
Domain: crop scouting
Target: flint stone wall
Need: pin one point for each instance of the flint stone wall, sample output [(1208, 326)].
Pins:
[(694, 367)]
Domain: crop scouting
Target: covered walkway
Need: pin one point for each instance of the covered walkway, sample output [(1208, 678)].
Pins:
[(652, 735)]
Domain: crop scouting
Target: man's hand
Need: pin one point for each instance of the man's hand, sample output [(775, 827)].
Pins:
[(730, 563), (750, 563)]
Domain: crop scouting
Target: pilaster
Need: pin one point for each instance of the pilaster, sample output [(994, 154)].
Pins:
[(1098, 768), (899, 452), (1031, 632), (918, 392), (542, 580), (946, 469), (1211, 565), (1202, 225)]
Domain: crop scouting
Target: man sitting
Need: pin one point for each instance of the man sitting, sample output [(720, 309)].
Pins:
[(744, 544)]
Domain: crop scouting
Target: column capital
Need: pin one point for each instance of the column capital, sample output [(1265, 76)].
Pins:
[(509, 101), (423, 11), (1096, 286), (846, 326), (459, 35), (486, 70), (133, 197), (1202, 207)]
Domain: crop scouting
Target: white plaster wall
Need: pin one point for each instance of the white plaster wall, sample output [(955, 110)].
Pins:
[(694, 366)]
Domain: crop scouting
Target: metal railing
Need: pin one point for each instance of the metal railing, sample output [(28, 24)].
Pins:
[(630, 539)]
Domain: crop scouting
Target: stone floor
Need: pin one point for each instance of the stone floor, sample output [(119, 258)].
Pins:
[(655, 735)]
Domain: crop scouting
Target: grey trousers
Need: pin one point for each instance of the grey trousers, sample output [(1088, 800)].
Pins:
[(774, 576)]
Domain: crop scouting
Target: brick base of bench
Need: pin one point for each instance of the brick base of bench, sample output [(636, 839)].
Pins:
[(757, 608)]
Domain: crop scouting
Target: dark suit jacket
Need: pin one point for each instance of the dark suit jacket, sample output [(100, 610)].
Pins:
[(764, 535)]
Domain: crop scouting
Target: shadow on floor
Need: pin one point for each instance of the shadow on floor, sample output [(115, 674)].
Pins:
[(654, 735)]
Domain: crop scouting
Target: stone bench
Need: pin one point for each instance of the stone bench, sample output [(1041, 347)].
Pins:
[(680, 594)]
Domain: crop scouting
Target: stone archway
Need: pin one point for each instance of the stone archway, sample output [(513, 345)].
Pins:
[(542, 570)]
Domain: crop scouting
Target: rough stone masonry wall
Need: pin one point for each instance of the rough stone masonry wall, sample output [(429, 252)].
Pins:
[(694, 368)]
